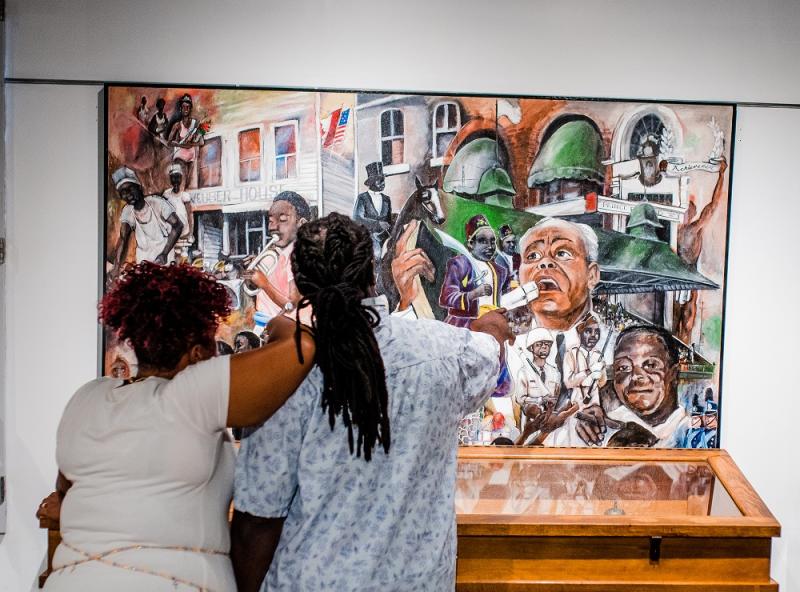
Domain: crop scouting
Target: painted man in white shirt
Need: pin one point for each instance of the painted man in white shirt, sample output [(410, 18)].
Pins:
[(151, 219), (181, 202), (585, 368), (538, 382)]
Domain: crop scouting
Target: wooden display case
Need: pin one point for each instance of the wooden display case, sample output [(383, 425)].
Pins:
[(602, 520)]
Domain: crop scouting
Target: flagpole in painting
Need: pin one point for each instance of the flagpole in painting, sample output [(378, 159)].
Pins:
[(320, 183), (355, 150)]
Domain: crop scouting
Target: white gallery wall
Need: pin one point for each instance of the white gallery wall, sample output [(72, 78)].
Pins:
[(731, 50)]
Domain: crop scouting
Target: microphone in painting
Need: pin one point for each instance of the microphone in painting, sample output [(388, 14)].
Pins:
[(519, 296), (265, 262)]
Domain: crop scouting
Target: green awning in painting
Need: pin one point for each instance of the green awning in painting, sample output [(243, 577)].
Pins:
[(643, 222), (628, 265), (476, 170), (495, 181), (574, 151)]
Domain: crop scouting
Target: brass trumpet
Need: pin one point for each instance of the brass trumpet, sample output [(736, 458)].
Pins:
[(265, 262)]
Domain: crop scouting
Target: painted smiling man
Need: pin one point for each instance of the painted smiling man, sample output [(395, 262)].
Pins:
[(646, 385), (561, 257)]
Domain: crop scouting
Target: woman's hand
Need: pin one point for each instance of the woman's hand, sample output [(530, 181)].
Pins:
[(50, 508)]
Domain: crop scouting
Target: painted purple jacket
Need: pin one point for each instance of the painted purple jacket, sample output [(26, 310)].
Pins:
[(459, 279)]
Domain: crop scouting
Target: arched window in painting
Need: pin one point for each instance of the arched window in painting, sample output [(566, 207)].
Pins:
[(648, 126)]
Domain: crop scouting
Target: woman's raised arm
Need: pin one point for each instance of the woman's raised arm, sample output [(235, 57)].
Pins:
[(263, 379)]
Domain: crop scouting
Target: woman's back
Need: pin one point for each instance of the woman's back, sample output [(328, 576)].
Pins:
[(151, 465)]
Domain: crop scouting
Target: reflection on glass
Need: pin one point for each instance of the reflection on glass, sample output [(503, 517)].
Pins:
[(541, 487)]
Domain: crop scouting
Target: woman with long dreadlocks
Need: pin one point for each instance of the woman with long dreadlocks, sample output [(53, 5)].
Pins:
[(350, 485)]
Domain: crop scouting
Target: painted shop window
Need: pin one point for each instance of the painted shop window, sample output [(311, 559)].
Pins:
[(446, 121), (209, 172), (248, 231), (392, 139), (286, 151), (250, 155), (565, 189), (648, 126)]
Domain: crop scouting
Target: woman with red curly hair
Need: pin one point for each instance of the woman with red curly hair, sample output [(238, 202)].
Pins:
[(146, 464)]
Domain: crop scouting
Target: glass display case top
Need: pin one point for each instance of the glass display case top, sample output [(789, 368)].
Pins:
[(544, 487)]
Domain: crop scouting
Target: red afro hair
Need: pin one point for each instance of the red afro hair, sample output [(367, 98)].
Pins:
[(163, 311)]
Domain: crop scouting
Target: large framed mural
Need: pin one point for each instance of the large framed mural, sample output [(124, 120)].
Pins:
[(601, 226)]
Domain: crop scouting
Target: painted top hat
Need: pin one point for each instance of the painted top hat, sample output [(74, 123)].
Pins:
[(474, 224), (374, 172), (505, 230)]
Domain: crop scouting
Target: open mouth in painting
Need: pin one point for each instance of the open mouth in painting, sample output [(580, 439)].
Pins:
[(546, 284)]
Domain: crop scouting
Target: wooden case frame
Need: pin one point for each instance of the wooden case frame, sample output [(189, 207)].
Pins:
[(561, 553)]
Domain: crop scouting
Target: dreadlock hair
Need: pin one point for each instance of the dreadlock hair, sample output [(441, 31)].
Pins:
[(332, 264), (163, 310)]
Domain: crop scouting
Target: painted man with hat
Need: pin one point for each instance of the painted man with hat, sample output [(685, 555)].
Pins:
[(538, 381), (181, 202), (373, 208), (474, 282), (584, 365), (150, 218), (507, 253)]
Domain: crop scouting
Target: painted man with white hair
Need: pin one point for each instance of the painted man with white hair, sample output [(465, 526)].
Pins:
[(561, 258)]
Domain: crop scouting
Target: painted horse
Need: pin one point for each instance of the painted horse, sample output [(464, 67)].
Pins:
[(424, 206)]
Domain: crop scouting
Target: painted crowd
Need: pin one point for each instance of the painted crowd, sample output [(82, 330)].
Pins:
[(600, 228)]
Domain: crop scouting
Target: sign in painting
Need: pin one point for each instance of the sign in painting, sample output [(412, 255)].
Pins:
[(600, 226)]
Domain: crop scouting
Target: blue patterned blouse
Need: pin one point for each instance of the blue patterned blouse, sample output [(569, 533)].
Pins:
[(389, 524)]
